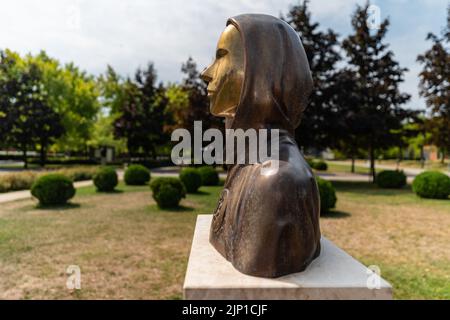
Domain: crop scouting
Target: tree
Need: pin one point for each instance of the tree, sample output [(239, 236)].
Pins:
[(435, 86), (411, 133), (74, 95), (9, 82), (376, 91), (47, 128), (28, 117), (79, 108), (318, 126), (103, 134), (111, 91), (142, 113), (177, 107), (349, 126), (198, 103)]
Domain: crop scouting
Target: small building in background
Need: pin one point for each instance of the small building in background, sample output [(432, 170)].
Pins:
[(431, 152), (104, 154)]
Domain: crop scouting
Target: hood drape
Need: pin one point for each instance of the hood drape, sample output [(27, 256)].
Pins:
[(277, 81)]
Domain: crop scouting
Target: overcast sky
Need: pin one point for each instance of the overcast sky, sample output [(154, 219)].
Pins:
[(128, 34)]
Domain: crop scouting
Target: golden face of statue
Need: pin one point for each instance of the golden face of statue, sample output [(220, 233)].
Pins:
[(226, 74)]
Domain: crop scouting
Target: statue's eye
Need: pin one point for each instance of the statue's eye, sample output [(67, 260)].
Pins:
[(220, 53)]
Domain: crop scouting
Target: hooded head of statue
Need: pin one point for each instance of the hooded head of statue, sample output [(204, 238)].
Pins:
[(265, 224), (260, 77)]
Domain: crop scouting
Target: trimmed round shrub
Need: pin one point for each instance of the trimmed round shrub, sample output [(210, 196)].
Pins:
[(105, 179), (167, 197), (432, 184), (136, 175), (320, 165), (327, 195), (191, 179), (391, 179), (53, 189), (156, 184), (209, 176), (167, 191)]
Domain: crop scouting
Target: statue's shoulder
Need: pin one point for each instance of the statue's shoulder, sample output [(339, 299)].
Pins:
[(277, 187), (278, 175)]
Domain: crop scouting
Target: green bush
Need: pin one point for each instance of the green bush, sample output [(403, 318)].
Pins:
[(432, 184), (209, 176), (136, 175), (327, 195), (191, 179), (391, 179), (53, 189), (106, 179), (320, 165), (156, 184), (167, 191)]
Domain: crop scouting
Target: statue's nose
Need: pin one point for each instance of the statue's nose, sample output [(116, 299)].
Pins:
[(205, 75)]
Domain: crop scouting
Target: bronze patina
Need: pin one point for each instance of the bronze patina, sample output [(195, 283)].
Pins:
[(266, 225)]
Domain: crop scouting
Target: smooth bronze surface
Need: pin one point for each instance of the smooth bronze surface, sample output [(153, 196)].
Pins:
[(267, 224)]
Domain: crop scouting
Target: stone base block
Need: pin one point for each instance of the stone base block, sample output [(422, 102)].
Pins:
[(333, 275)]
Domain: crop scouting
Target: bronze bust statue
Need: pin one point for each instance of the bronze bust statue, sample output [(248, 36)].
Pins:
[(266, 225)]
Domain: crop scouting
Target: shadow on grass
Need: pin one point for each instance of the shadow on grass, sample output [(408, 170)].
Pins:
[(110, 192), (155, 207), (201, 193), (335, 214), (67, 206)]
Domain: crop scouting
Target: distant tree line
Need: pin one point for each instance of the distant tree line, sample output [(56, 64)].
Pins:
[(44, 104), (356, 105), (357, 108)]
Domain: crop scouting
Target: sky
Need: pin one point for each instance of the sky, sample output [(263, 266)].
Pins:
[(129, 34)]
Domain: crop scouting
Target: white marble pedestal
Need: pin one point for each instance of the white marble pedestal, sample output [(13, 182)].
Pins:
[(333, 275)]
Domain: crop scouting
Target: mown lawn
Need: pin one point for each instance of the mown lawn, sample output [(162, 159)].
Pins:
[(129, 249), (346, 168), (124, 245), (361, 165), (406, 236)]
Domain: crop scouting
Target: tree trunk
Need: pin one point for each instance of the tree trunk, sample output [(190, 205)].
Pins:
[(422, 157), (443, 156), (353, 163), (24, 156), (400, 154), (372, 162), (43, 155)]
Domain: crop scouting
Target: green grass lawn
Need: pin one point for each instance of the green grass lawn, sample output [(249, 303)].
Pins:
[(406, 236), (340, 167), (429, 165), (405, 164), (128, 248)]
